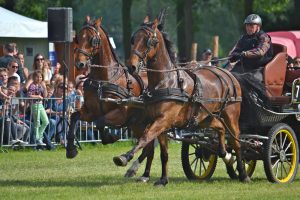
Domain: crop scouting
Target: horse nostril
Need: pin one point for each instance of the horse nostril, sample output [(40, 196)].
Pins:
[(131, 68)]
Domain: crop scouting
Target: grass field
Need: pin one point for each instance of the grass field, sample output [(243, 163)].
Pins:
[(92, 175)]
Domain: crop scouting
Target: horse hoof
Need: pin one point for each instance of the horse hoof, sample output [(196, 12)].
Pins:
[(161, 182), (143, 179), (71, 153), (246, 179), (120, 161)]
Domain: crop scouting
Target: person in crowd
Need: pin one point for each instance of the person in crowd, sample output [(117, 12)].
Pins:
[(206, 58), (10, 50), (46, 70), (20, 56), (54, 109), (71, 95), (254, 50), (296, 62), (3, 83), (57, 69), (79, 95), (16, 130), (38, 90), (12, 69), (56, 79), (38, 63)]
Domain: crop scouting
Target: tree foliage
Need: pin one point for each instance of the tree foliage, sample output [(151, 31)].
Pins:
[(210, 17)]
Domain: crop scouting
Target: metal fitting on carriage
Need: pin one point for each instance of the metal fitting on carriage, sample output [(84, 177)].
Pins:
[(228, 159)]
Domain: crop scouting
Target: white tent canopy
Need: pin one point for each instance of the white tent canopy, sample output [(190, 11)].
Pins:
[(15, 25)]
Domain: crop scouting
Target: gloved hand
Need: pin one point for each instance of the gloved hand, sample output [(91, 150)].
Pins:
[(235, 56)]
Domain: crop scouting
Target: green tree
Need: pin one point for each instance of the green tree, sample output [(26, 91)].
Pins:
[(126, 19), (184, 28)]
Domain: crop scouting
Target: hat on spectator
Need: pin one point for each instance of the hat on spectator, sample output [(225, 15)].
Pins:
[(207, 51)]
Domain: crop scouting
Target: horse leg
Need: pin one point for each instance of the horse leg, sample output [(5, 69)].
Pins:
[(148, 152), (233, 125), (151, 132), (84, 115), (71, 151), (163, 141), (106, 137)]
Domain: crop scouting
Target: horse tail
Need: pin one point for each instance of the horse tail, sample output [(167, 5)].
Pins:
[(253, 95), (253, 90)]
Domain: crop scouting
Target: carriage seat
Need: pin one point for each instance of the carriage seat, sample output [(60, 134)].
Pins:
[(274, 74)]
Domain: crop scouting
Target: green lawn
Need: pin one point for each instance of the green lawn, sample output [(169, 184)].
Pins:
[(92, 175)]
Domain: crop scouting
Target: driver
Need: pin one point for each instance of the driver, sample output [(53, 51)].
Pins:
[(253, 50)]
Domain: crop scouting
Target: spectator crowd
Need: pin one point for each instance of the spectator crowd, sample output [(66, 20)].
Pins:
[(31, 104)]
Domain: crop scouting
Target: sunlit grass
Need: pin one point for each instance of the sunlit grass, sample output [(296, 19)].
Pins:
[(93, 175)]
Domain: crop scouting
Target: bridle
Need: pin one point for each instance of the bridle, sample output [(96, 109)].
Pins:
[(151, 43), (95, 42)]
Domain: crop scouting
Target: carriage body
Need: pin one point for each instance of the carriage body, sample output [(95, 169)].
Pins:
[(269, 134)]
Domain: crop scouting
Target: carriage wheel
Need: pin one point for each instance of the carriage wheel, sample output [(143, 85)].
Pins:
[(249, 165), (281, 154), (197, 162)]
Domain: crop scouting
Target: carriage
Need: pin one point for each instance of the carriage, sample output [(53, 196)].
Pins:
[(272, 135), (268, 134)]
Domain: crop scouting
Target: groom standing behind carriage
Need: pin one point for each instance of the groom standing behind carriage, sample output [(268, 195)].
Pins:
[(253, 51)]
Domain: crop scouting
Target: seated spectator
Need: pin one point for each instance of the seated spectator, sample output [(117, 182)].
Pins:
[(12, 69), (15, 129), (206, 57)]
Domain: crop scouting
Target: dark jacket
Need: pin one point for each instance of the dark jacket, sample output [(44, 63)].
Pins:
[(258, 50)]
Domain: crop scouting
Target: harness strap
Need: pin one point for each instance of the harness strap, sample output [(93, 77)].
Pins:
[(166, 94)]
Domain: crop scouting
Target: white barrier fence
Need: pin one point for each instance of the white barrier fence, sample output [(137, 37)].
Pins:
[(18, 126)]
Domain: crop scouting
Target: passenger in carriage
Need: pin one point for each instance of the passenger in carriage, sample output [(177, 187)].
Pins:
[(206, 58), (297, 62), (254, 50)]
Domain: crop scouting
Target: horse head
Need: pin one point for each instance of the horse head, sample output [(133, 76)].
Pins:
[(144, 44), (88, 42)]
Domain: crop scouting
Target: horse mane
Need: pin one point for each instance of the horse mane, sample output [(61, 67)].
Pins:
[(169, 44)]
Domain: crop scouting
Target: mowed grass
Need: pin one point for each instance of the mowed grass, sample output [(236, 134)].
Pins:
[(92, 175)]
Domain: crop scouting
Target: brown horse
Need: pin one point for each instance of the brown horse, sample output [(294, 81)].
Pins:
[(208, 97), (107, 79)]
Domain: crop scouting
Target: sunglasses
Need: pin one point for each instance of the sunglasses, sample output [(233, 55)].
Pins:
[(61, 87), (39, 59), (15, 66)]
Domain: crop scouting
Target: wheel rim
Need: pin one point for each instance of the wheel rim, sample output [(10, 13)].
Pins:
[(201, 163), (283, 156)]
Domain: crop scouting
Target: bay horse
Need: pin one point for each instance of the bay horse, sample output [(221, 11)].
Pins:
[(108, 78), (207, 97)]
